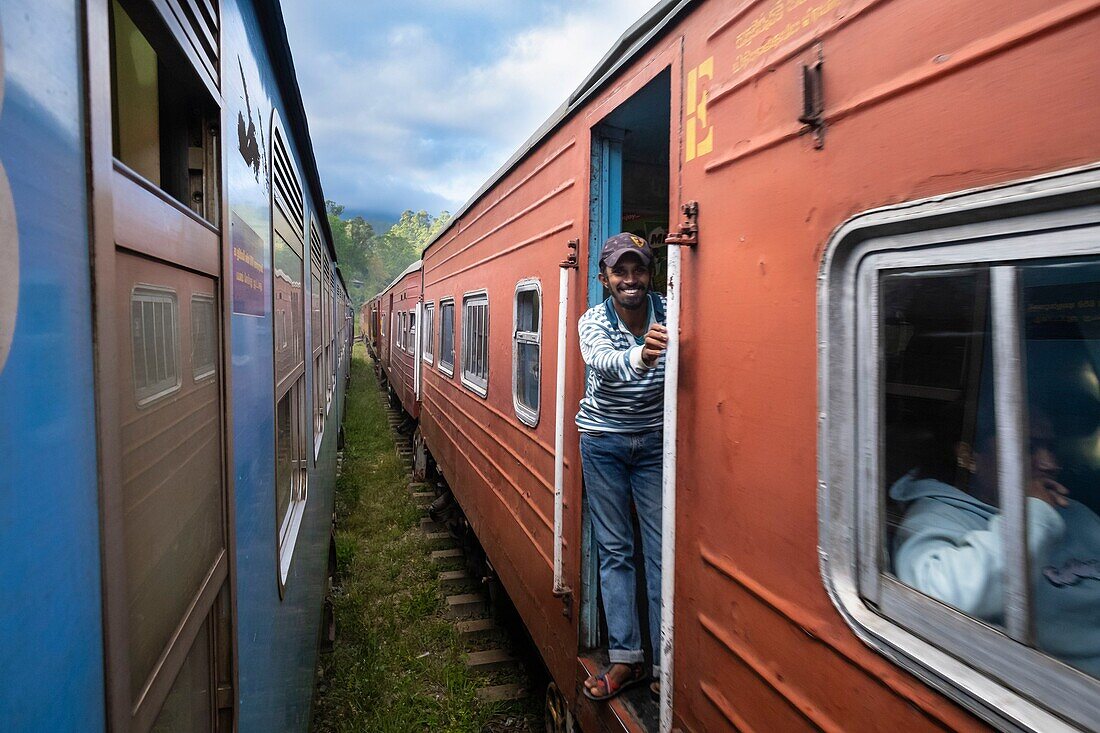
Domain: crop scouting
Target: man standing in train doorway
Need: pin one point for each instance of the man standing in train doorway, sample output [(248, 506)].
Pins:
[(623, 341)]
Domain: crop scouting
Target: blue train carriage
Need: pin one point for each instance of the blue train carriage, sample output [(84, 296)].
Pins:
[(173, 357)]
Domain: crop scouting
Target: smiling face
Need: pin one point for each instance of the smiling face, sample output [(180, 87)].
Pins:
[(628, 281)]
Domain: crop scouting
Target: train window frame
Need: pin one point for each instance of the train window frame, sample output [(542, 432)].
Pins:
[(144, 293), (447, 367), (427, 334), (1003, 681), (316, 304), (189, 180), (289, 223), (475, 381), (527, 415), (197, 374)]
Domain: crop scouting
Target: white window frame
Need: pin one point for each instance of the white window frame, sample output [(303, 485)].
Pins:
[(526, 414), (472, 380), (427, 334), (444, 367), (1009, 684)]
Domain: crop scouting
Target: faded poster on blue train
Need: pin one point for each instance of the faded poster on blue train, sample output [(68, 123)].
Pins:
[(249, 278)]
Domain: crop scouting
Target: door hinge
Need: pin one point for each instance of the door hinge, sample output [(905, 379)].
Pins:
[(813, 100), (570, 261), (688, 233)]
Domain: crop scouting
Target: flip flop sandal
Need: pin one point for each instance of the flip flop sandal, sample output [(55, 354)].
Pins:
[(613, 688)]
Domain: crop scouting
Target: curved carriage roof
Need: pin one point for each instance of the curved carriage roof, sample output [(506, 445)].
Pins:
[(629, 46)]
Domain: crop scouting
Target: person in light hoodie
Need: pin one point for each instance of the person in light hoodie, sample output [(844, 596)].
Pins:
[(949, 545)]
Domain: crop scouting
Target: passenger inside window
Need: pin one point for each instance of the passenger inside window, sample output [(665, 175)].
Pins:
[(948, 540)]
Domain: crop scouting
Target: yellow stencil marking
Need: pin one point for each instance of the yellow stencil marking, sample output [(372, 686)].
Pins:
[(696, 110)]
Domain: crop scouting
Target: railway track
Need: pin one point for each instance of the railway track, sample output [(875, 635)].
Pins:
[(474, 602)]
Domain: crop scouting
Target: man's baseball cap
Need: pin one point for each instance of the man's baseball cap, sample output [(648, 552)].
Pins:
[(617, 246)]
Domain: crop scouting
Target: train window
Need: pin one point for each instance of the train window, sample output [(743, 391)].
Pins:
[(204, 337), (427, 333), (969, 463), (292, 428), (447, 336), (526, 348), (331, 312), (164, 122), (317, 333), (475, 342), (290, 471), (154, 322)]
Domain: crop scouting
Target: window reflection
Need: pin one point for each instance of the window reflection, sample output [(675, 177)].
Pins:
[(1060, 305), (946, 536)]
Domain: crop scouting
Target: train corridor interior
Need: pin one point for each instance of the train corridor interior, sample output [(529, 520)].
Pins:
[(630, 150)]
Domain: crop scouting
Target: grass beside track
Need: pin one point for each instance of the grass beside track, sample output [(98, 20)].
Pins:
[(397, 665)]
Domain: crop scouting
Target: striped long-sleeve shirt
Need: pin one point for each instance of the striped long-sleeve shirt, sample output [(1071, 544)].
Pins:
[(621, 395)]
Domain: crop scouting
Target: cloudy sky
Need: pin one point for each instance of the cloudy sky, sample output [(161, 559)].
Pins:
[(414, 104)]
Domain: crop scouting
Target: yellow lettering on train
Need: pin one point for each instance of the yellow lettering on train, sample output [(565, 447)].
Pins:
[(696, 123)]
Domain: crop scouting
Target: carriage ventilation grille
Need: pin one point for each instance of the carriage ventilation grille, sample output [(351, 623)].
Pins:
[(286, 188), (198, 21)]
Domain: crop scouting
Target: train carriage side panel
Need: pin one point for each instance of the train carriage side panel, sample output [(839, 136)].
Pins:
[(985, 93), (402, 365), (501, 468), (50, 614), (278, 618)]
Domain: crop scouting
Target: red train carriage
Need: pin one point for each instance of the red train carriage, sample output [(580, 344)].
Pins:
[(400, 312), (879, 217)]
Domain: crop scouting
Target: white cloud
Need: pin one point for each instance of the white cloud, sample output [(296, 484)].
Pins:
[(410, 109)]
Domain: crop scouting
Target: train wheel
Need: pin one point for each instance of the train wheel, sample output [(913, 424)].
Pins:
[(557, 715)]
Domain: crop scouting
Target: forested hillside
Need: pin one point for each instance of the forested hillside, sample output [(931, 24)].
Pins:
[(370, 259)]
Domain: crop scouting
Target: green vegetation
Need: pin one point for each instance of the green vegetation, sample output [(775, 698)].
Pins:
[(370, 260), (397, 665)]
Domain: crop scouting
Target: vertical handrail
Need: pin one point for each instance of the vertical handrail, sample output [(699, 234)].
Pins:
[(686, 236), (668, 485), (418, 349), (560, 589)]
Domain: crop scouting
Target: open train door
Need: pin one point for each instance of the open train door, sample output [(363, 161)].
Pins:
[(633, 181)]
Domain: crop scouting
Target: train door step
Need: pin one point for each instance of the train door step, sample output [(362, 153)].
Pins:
[(634, 711), (451, 579), (490, 660), (465, 606), (502, 693), (447, 555), (476, 627)]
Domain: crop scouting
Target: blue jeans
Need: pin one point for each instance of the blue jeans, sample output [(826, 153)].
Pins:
[(618, 467)]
